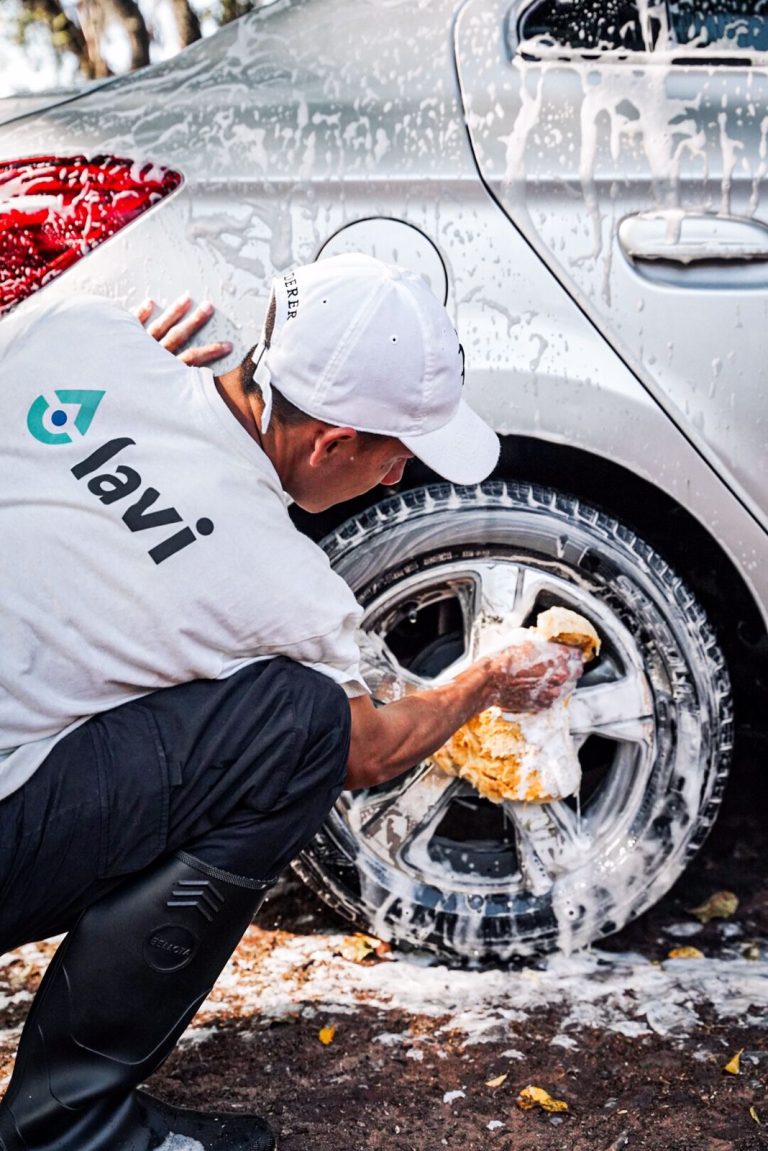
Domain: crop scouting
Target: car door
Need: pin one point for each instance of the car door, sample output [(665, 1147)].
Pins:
[(629, 142)]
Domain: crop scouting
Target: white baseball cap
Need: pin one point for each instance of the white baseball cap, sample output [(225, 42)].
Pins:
[(363, 344)]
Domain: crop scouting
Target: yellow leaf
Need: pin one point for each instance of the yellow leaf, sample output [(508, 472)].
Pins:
[(755, 1116), (721, 905), (359, 947), (733, 1066), (685, 953), (326, 1034), (537, 1097), (497, 1082)]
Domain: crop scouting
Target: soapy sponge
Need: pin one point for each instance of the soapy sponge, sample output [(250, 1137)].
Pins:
[(530, 756)]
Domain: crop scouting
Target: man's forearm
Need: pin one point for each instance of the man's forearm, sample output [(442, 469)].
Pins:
[(386, 741)]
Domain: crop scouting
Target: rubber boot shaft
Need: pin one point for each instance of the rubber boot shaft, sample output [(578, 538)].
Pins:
[(118, 994)]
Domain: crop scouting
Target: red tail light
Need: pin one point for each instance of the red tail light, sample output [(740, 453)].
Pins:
[(55, 209)]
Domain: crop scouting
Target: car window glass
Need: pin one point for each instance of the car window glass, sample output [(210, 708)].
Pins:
[(724, 25), (576, 26), (564, 27)]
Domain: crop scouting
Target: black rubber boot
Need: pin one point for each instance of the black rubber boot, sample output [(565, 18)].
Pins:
[(119, 992)]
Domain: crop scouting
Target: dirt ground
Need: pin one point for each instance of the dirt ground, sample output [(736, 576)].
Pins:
[(661, 1093), (408, 1082)]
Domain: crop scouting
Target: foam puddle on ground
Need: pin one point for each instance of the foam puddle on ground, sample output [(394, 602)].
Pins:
[(277, 975), (625, 993)]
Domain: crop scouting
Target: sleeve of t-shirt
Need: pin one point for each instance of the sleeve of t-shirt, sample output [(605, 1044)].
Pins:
[(302, 608), (307, 613), (345, 668), (334, 653)]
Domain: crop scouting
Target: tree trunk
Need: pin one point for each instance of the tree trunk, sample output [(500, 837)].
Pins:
[(90, 13), (128, 14), (84, 36), (187, 23), (233, 9)]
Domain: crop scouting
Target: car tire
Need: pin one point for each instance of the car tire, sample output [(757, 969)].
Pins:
[(426, 862)]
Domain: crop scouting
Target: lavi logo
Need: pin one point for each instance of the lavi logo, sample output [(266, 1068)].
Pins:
[(52, 423)]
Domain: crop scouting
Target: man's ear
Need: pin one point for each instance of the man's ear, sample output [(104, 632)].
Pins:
[(331, 444)]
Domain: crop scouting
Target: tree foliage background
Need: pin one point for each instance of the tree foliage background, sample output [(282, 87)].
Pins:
[(91, 39)]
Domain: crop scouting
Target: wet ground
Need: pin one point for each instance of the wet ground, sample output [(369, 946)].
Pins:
[(354, 1051), (400, 1080)]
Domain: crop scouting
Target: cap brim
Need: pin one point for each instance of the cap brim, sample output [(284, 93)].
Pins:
[(464, 451)]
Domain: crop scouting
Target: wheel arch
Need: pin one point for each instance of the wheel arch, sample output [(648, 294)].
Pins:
[(686, 543)]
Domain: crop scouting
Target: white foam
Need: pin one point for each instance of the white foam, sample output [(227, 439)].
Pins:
[(180, 1143), (621, 992), (282, 976)]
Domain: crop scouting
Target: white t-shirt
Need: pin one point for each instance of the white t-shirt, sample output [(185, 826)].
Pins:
[(144, 535)]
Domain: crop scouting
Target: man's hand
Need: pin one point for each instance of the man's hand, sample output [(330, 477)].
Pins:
[(389, 740), (173, 328), (533, 675)]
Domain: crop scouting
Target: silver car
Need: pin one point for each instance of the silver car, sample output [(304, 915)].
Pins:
[(584, 184)]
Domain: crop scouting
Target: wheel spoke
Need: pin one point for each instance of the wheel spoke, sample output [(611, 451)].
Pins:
[(498, 593), (551, 840), (621, 709), (389, 825), (613, 809)]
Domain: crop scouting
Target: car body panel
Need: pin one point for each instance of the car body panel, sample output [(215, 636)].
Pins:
[(28, 103), (576, 148), (288, 129)]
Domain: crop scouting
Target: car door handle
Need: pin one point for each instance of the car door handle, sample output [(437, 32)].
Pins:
[(692, 237)]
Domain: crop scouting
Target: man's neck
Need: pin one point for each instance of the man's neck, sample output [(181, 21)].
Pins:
[(245, 407), (287, 448)]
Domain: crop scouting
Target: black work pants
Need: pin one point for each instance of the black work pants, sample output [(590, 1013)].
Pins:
[(239, 772)]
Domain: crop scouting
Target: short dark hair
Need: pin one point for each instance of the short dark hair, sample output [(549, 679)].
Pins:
[(282, 409)]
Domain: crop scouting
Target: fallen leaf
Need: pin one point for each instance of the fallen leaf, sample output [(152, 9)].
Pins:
[(685, 953), (356, 947), (359, 948), (721, 905), (326, 1034), (733, 1066), (497, 1082), (537, 1097), (755, 1116)]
